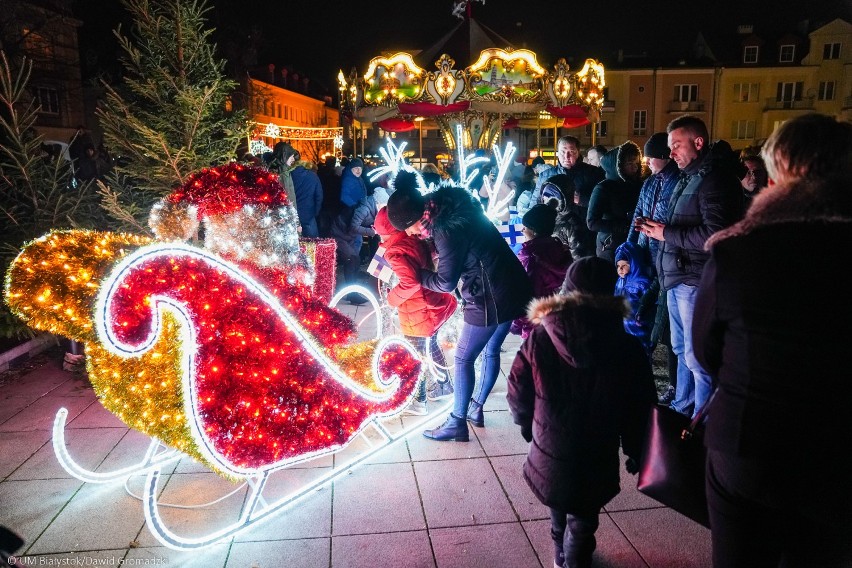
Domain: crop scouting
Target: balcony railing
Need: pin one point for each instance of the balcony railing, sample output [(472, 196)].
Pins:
[(774, 104), (686, 106), (608, 106)]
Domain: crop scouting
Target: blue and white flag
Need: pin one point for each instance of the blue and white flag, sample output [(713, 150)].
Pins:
[(379, 266), (512, 233)]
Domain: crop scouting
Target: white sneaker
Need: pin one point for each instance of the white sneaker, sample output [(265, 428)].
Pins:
[(416, 408)]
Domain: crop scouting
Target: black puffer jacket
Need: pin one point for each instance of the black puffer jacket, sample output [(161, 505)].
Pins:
[(705, 200), (474, 257), (580, 387), (611, 207)]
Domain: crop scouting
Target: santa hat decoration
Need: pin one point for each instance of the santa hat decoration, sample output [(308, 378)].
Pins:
[(220, 190), (227, 189), (246, 216)]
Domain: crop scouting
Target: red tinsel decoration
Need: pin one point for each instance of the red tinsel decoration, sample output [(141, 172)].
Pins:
[(227, 188), (259, 397)]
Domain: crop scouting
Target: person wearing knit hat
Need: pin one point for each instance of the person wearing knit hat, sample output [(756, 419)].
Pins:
[(653, 204), (544, 257), (406, 204), (657, 146), (539, 221), (352, 186), (580, 389), (590, 275)]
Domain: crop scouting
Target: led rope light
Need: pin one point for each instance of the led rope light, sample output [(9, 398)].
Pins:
[(160, 304)]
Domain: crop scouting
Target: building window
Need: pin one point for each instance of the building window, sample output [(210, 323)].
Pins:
[(601, 129), (750, 54), (746, 92), (47, 99), (686, 93), (279, 110), (831, 51), (787, 53), (787, 93), (826, 90), (640, 121), (742, 130)]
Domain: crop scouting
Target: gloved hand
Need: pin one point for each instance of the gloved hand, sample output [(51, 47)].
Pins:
[(526, 432), (632, 466)]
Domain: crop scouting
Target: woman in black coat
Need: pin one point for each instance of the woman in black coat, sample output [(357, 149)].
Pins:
[(772, 326), (473, 257), (580, 388)]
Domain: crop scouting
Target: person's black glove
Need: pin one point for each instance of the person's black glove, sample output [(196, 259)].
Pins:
[(632, 466), (526, 432)]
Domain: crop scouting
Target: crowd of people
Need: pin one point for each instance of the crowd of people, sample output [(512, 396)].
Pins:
[(681, 243)]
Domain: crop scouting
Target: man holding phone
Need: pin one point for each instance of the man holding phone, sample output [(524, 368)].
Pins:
[(653, 205)]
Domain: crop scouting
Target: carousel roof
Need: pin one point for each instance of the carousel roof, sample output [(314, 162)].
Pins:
[(464, 43)]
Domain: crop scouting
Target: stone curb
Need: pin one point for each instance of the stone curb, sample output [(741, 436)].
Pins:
[(19, 355)]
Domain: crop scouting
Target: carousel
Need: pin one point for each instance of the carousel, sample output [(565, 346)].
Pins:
[(501, 88)]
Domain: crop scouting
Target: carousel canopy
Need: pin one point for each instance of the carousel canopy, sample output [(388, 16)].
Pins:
[(472, 77)]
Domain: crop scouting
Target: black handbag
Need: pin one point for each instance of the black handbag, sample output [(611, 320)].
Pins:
[(672, 467)]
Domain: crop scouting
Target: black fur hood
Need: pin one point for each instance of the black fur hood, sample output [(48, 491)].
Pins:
[(572, 319), (455, 208)]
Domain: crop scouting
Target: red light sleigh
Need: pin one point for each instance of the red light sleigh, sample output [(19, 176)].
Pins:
[(224, 361)]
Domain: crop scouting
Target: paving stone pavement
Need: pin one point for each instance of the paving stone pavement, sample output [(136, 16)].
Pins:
[(418, 503)]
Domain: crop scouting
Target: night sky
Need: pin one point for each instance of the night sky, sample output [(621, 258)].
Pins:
[(318, 38)]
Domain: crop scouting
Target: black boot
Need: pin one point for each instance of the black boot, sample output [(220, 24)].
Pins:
[(453, 430), (474, 414)]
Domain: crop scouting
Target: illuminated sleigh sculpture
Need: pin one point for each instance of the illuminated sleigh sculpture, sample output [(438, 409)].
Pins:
[(212, 359)]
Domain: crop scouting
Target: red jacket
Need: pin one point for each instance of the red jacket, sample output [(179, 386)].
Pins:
[(421, 311)]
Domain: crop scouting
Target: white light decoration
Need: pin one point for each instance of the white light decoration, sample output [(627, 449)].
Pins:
[(272, 131), (466, 162), (258, 148), (256, 510), (496, 207)]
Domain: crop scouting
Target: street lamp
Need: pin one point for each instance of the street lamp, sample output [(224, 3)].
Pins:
[(419, 121)]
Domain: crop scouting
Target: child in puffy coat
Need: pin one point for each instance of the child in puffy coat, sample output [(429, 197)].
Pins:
[(421, 311), (636, 282), (545, 258)]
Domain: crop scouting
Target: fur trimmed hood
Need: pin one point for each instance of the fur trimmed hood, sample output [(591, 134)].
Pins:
[(803, 201), (455, 209), (572, 319)]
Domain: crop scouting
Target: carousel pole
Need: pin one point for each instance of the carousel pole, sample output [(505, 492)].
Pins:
[(538, 134)]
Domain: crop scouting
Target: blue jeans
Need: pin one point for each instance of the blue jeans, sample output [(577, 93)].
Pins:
[(573, 537), (472, 340), (694, 385)]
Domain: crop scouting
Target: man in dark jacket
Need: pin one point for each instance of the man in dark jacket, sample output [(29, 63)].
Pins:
[(614, 198), (309, 195), (584, 177), (705, 200), (580, 388), (654, 205)]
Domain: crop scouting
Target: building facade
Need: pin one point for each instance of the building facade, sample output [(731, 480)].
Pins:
[(311, 125), (45, 32), (742, 95)]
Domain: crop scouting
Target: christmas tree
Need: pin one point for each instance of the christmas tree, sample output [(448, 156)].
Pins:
[(37, 188), (172, 114)]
